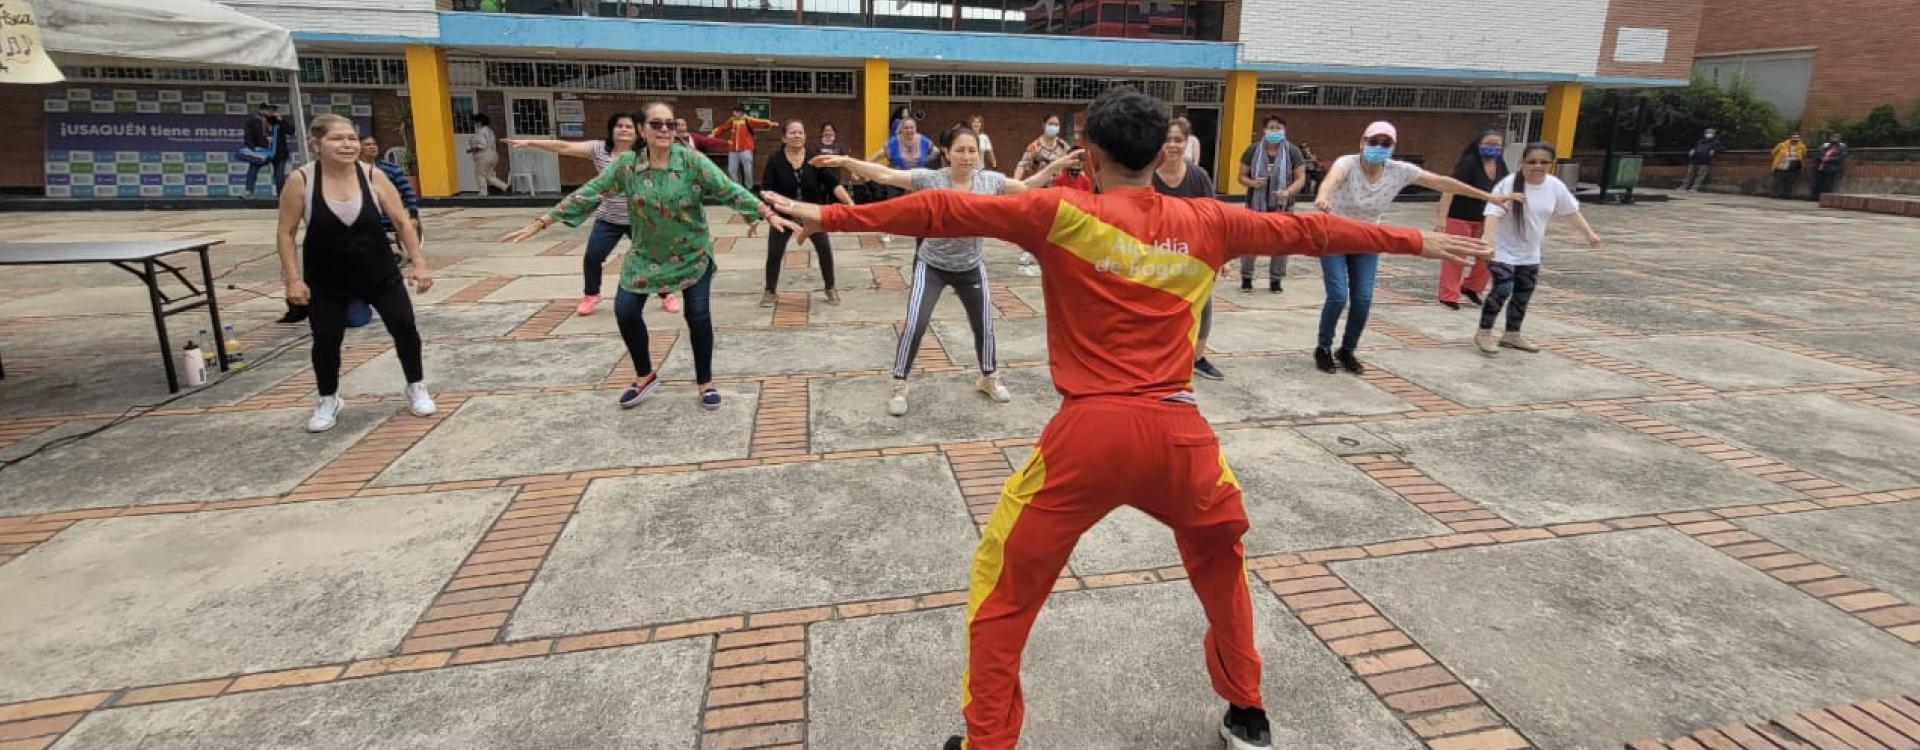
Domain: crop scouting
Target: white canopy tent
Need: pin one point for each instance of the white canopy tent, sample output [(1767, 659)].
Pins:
[(168, 32)]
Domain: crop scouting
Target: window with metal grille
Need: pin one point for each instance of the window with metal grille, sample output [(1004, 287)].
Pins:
[(244, 76), (510, 74), (1009, 87), (134, 74), (607, 77), (313, 70), (463, 114), (1202, 92), (1493, 99), (359, 70), (208, 74), (1337, 96), (746, 81), (702, 79), (556, 75), (656, 78), (1052, 87), (973, 86), (833, 82), (1272, 94), (532, 117), (792, 82), (1528, 98), (466, 73), (932, 84), (393, 72), (900, 84), (1165, 91)]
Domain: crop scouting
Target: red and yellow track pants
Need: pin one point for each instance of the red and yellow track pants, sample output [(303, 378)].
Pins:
[(1097, 454)]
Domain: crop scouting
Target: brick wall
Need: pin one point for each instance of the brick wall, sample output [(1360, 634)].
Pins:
[(1865, 53), (1751, 172), (1558, 36), (382, 17), (1679, 19), (1436, 137)]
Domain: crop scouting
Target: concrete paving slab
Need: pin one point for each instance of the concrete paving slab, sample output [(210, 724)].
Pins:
[(1668, 315), (686, 546), (1302, 293), (136, 601), (791, 351), (536, 265), (483, 365), (879, 306), (105, 385), (441, 322), (1907, 393), (1442, 324), (1873, 544), (103, 336), (739, 275), (504, 436), (1592, 641), (1555, 467), (851, 413), (549, 288), (1263, 330), (124, 298), (1745, 280), (1468, 377), (1117, 669), (1348, 439), (1825, 311), (584, 700), (1728, 363), (1014, 340), (1297, 497), (154, 460), (727, 310), (1608, 284), (30, 443), (1851, 443), (1287, 387), (1892, 346)]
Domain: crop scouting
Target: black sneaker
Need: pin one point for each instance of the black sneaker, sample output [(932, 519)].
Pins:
[(1472, 296), (1245, 729), (1273, 285), (1205, 369), (1450, 305), (295, 314), (954, 743), (1323, 359), (638, 392), (1246, 283), (1349, 361)]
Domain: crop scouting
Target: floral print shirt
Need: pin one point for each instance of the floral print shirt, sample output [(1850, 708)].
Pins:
[(672, 247)]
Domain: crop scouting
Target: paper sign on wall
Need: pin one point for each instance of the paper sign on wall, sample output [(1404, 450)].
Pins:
[(705, 116), (22, 58)]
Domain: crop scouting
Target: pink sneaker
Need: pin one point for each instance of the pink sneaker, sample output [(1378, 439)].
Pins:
[(670, 303), (587, 303)]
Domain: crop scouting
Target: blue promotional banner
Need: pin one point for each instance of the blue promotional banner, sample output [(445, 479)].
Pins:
[(129, 143)]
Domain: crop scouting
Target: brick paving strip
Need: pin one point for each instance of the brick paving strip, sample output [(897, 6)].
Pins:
[(780, 421), (1456, 726), (1427, 494), (1896, 616), (542, 323), (477, 290), (790, 309), (1891, 723), (1672, 383), (1760, 466)]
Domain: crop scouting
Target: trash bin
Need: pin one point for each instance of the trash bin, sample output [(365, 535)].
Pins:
[(1568, 170), (1626, 172)]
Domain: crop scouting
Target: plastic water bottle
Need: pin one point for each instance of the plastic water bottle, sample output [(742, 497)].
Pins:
[(207, 357), (193, 365), (236, 356)]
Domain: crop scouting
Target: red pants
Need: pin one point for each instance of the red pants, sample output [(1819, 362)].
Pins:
[(1096, 454), (1477, 275)]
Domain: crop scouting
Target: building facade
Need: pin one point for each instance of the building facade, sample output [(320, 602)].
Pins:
[(1815, 63), (418, 70)]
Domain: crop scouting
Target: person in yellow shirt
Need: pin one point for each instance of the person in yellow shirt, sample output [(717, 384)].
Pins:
[(1788, 156), (739, 133)]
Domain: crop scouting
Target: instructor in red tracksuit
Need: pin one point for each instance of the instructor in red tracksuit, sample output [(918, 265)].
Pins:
[(1127, 273)]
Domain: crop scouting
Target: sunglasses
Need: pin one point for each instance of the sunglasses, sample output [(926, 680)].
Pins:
[(660, 125), (1380, 140)]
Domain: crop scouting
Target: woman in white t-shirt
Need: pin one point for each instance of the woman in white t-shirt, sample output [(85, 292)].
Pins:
[(1516, 244), (1361, 186), (987, 160)]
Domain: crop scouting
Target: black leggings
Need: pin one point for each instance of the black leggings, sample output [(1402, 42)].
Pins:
[(928, 283), (777, 252), (1512, 289), (327, 316)]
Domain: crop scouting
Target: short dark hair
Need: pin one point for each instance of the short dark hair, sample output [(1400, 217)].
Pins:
[(613, 121), (480, 118), (1129, 126), (1271, 119), (954, 131)]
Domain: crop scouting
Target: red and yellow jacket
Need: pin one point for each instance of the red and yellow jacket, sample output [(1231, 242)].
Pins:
[(1126, 272), (739, 132)]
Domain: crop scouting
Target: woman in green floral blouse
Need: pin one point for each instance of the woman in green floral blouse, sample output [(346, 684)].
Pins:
[(672, 248)]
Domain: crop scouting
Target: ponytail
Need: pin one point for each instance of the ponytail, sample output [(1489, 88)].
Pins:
[(1519, 186)]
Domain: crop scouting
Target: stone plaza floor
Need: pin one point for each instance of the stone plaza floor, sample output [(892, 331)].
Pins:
[(1689, 523)]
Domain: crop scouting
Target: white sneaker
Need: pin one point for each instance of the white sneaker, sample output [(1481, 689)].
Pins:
[(897, 406), (991, 386), (418, 401), (1026, 259), (886, 238), (326, 413)]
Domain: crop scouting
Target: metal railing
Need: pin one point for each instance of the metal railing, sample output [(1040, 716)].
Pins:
[(1135, 19)]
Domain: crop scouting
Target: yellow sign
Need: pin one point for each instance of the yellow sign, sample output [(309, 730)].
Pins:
[(22, 58)]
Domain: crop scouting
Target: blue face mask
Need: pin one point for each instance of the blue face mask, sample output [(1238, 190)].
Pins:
[(1052, 130), (1376, 154), (1492, 152), (1276, 136)]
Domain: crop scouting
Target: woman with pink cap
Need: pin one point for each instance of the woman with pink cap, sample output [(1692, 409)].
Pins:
[(1361, 186)]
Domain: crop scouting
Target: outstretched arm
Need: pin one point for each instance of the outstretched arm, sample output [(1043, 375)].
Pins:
[(576, 149), (1256, 233), (1323, 200), (1449, 186), (1043, 177), (1023, 219), (867, 170)]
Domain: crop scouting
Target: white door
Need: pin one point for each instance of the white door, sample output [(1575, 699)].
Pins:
[(464, 105), (1523, 127), (531, 116)]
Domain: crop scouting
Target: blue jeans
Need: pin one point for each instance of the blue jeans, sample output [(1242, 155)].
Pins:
[(279, 174), (600, 244), (627, 309), (1348, 278)]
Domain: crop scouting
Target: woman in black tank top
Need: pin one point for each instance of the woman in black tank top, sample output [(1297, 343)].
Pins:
[(345, 256)]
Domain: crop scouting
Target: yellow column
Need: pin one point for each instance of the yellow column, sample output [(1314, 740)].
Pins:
[(876, 88), (1236, 130), (1562, 116), (431, 102)]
